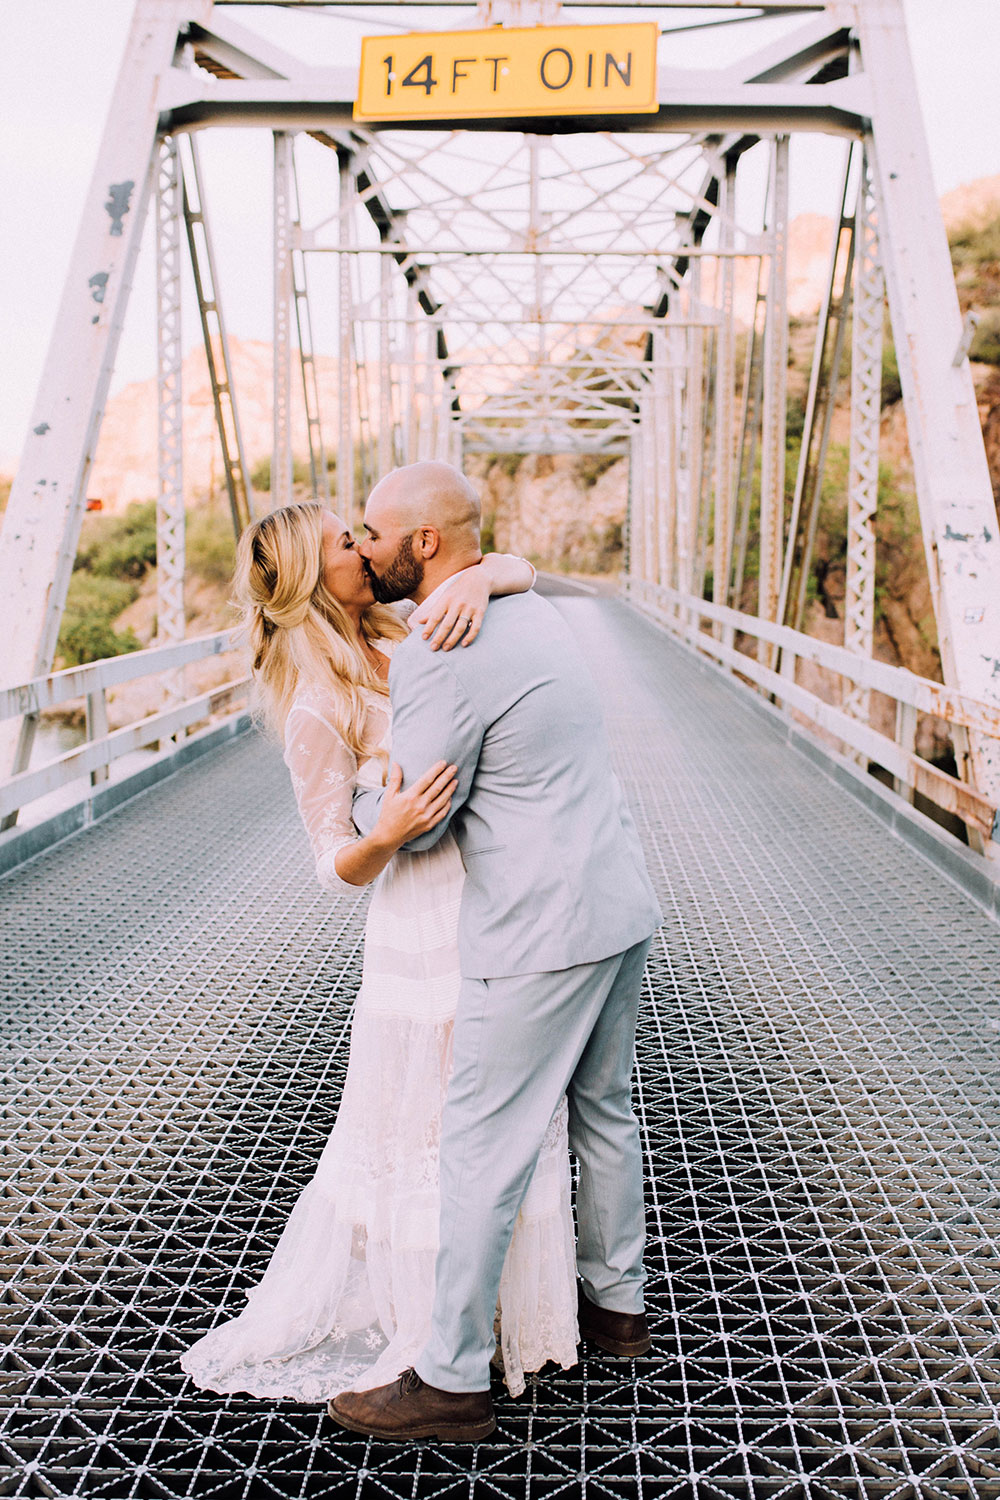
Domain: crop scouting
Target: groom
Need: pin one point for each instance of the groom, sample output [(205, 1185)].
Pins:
[(556, 919)]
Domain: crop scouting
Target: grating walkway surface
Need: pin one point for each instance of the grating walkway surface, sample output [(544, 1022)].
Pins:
[(818, 1087)]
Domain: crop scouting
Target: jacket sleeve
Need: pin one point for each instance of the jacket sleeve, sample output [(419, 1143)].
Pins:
[(432, 719)]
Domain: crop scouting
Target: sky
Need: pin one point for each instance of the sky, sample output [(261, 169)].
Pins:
[(57, 71)]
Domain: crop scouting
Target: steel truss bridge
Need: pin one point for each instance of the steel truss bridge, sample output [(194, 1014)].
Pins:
[(816, 1080)]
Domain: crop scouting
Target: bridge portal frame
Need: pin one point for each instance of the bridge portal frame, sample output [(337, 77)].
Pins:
[(800, 83)]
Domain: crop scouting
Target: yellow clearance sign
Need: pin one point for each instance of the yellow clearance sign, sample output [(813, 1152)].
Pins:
[(538, 70)]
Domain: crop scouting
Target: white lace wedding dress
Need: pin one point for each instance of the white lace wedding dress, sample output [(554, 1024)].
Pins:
[(345, 1302)]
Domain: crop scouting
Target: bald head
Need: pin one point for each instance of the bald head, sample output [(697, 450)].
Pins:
[(423, 525), (427, 494)]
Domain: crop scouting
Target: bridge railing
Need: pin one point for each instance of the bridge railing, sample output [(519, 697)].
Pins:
[(712, 630), (102, 745)]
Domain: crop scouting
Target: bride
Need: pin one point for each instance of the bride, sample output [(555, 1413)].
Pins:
[(346, 1298)]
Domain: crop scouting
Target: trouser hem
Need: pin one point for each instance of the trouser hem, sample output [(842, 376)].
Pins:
[(438, 1383), (600, 1300)]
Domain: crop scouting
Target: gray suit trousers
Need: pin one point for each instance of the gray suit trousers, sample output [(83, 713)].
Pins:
[(521, 1042)]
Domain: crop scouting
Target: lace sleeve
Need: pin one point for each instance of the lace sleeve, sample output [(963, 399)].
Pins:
[(323, 773)]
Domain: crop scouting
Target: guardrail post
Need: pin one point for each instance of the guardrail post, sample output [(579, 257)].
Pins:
[(97, 729), (963, 760), (906, 739)]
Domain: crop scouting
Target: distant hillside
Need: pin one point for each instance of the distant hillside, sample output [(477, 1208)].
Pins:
[(125, 466)]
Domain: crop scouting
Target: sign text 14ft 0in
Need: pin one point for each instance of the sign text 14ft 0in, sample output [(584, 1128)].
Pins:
[(538, 70)]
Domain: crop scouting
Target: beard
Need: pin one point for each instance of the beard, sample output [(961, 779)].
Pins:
[(402, 577)]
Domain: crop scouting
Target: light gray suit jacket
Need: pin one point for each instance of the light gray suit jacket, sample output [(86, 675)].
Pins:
[(554, 872)]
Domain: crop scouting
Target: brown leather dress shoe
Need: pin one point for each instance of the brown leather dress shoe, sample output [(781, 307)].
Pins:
[(614, 1332), (408, 1408)]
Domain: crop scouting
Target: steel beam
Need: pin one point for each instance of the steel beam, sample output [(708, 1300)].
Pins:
[(410, 389), (750, 410), (694, 438), (772, 476), (637, 532), (957, 510), (820, 398), (281, 447), (386, 444), (666, 466), (866, 411), (345, 434), (725, 389), (325, 102), (42, 521), (427, 405), (318, 470), (213, 328), (170, 619)]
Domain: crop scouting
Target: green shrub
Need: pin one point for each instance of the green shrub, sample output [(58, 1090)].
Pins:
[(90, 594), (611, 549), (795, 418), (114, 554), (210, 544), (892, 386), (986, 340), (92, 639), (119, 546), (507, 463), (591, 466), (487, 532), (972, 246), (93, 603), (260, 474)]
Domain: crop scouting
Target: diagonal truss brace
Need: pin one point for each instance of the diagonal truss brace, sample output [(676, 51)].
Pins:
[(42, 523)]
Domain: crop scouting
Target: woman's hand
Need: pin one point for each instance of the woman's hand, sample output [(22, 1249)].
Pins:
[(455, 610), (405, 815)]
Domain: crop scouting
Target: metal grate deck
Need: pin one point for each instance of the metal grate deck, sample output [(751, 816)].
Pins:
[(818, 1085)]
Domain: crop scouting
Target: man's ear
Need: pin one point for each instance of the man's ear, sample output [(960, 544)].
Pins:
[(428, 541)]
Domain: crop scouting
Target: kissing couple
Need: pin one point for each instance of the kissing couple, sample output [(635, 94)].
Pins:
[(505, 946)]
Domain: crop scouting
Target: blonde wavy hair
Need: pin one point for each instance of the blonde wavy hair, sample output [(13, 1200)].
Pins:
[(297, 632)]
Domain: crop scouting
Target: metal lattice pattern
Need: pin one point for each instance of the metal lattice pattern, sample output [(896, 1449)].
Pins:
[(281, 458), (170, 520), (866, 400), (547, 261), (817, 1091)]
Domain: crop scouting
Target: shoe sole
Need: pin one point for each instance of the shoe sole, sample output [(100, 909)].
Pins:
[(617, 1346), (468, 1433)]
